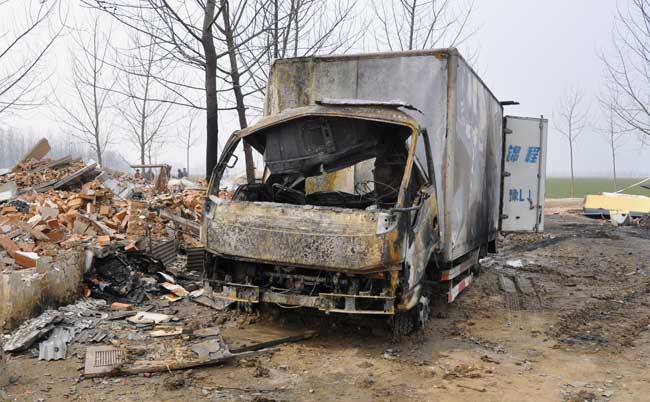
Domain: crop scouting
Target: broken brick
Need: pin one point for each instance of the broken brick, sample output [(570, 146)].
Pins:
[(26, 259), (103, 240), (55, 235), (116, 306), (8, 245)]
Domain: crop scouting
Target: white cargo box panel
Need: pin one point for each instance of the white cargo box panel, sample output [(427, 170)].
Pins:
[(524, 174)]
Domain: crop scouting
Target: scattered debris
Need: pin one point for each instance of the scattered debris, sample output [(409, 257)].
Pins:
[(143, 317), (33, 330), (63, 325), (472, 388), (257, 337), (515, 263)]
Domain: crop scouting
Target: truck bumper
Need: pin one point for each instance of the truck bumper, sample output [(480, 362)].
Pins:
[(325, 302)]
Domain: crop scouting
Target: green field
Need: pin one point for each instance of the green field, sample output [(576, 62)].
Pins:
[(560, 187)]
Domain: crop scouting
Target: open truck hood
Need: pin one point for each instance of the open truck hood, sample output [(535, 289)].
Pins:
[(380, 113)]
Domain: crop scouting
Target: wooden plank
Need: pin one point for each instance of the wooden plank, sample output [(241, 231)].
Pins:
[(189, 226), (38, 151), (260, 336)]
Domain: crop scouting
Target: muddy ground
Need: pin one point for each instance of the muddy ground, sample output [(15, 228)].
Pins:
[(563, 316)]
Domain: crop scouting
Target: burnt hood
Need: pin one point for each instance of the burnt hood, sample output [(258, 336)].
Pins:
[(313, 139)]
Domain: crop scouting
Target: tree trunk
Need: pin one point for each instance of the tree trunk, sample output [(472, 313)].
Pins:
[(614, 165), (412, 24), (573, 193), (98, 148), (276, 36), (212, 117), (612, 144), (236, 88)]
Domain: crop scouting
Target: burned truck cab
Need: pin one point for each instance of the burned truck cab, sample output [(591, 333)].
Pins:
[(384, 183), (344, 219)]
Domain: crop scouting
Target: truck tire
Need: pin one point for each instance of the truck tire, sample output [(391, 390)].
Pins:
[(403, 323), (406, 322)]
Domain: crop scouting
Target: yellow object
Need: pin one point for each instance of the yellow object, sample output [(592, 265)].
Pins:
[(615, 203)]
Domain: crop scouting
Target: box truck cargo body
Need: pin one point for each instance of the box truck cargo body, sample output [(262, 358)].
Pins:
[(383, 175)]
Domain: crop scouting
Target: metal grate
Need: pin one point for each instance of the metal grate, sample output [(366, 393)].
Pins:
[(101, 360), (107, 358)]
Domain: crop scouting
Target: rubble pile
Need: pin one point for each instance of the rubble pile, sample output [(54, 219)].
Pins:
[(35, 174), (41, 218), (67, 226)]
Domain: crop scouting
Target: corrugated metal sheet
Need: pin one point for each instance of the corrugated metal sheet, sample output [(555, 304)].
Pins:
[(166, 251), (55, 347), (195, 258)]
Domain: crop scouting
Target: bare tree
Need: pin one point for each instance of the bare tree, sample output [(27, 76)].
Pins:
[(233, 28), (184, 30), (627, 66), (145, 108), (570, 120), (422, 24), (189, 33), (21, 51), (85, 114), (615, 131), (294, 28)]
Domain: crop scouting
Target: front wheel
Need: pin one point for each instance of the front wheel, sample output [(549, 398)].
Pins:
[(405, 322)]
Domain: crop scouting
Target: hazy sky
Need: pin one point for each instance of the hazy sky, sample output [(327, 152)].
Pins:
[(528, 51)]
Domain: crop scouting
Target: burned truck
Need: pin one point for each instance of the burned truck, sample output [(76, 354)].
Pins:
[(382, 186)]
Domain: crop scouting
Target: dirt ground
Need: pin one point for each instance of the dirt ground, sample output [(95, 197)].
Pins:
[(559, 316)]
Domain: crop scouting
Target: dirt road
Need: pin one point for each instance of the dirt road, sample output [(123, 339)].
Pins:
[(563, 316)]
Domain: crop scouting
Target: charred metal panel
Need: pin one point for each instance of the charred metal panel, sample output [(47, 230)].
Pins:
[(422, 244), (195, 259), (308, 145), (474, 177), (305, 236)]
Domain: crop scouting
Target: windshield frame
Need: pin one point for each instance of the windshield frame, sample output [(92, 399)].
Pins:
[(234, 140)]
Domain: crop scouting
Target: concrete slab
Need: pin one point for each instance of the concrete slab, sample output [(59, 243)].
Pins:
[(26, 293)]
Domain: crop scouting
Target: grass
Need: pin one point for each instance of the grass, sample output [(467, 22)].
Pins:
[(560, 187)]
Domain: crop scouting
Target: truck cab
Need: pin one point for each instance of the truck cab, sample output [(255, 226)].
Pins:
[(344, 219)]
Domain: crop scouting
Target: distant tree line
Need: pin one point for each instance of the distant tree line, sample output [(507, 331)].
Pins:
[(15, 143)]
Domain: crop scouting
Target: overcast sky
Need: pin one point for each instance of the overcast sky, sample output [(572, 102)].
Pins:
[(529, 51)]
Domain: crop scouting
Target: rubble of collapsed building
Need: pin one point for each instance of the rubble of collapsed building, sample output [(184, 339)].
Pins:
[(89, 257)]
